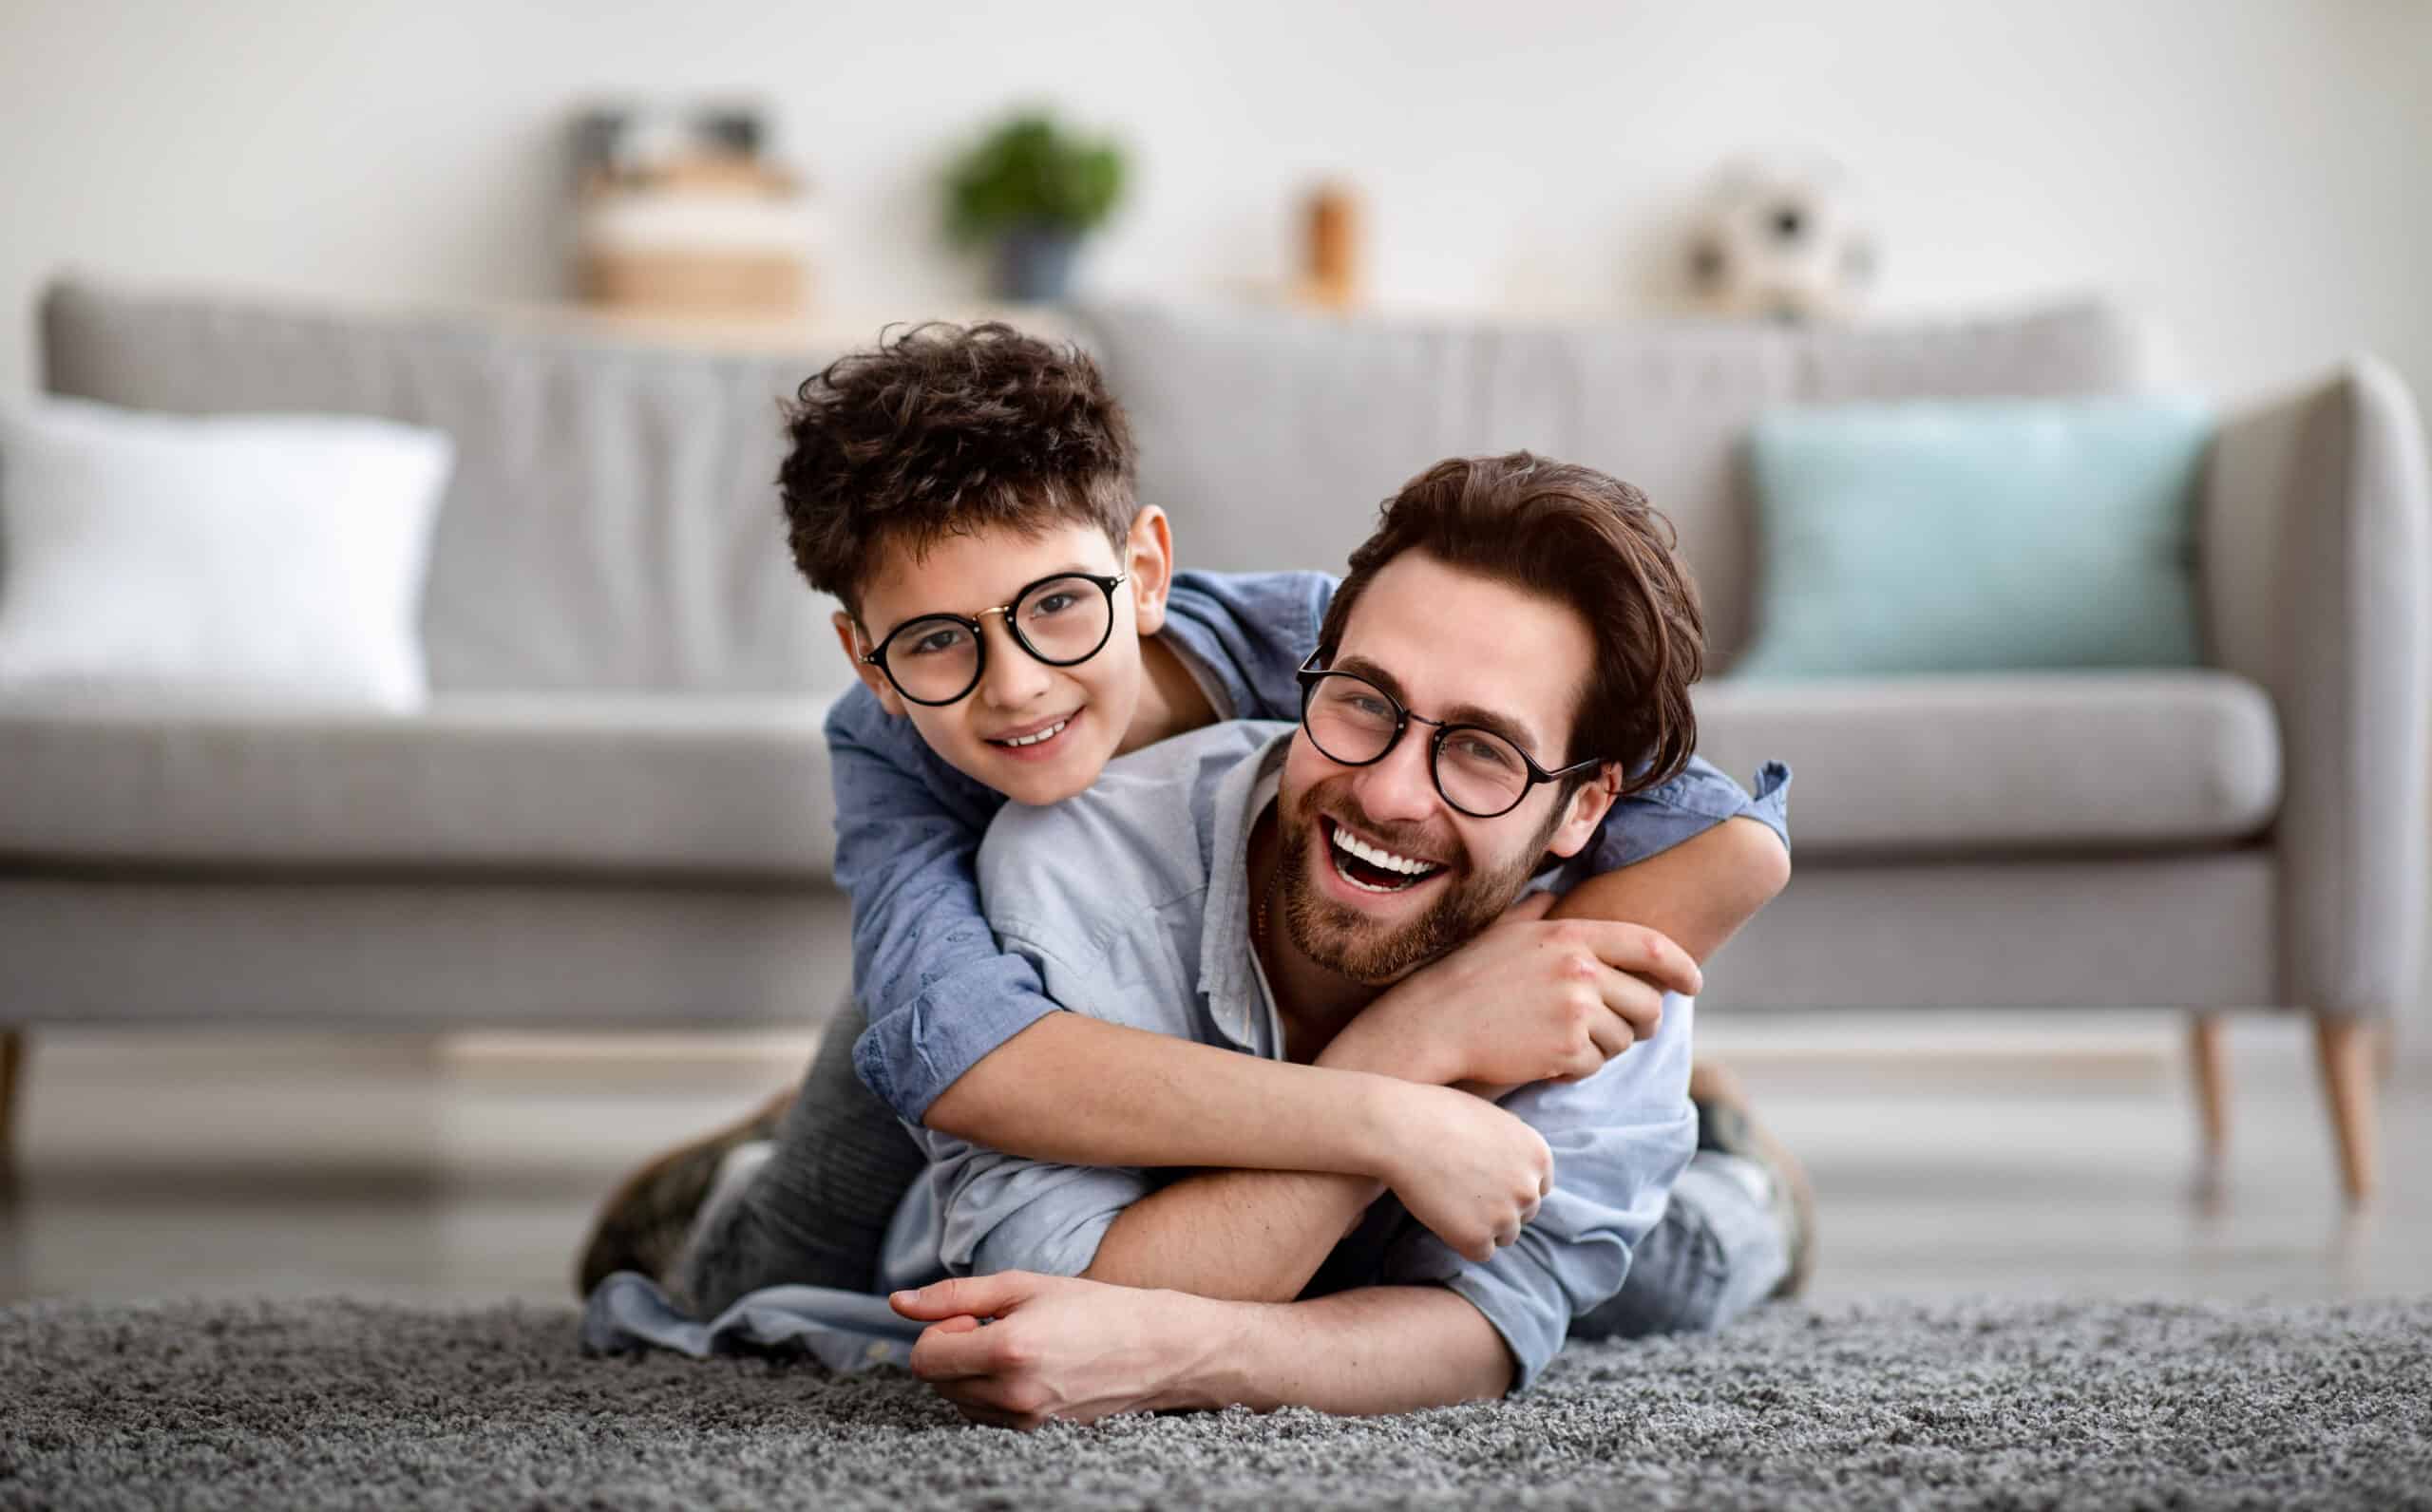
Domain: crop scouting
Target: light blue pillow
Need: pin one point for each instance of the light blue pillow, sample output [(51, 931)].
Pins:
[(1952, 536)]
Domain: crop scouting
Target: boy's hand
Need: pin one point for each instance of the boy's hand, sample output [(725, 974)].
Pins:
[(1531, 999), (1472, 1173)]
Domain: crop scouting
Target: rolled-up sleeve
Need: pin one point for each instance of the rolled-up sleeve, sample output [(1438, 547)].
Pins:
[(1620, 1139), (1702, 796)]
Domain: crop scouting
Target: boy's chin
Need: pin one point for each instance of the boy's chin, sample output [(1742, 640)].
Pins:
[(1039, 787)]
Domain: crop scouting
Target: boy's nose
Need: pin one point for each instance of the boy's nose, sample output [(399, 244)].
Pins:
[(1014, 676)]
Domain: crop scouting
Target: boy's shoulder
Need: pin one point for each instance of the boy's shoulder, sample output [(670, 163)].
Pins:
[(1246, 633)]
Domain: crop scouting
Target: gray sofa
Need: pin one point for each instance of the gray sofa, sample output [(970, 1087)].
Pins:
[(615, 811)]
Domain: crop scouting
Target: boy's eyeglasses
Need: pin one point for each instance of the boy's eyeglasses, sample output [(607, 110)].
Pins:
[(1061, 620), (1354, 722)]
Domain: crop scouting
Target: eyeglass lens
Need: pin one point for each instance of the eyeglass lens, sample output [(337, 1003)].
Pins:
[(1352, 721), (1060, 621)]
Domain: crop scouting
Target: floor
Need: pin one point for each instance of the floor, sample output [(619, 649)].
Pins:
[(1952, 1155)]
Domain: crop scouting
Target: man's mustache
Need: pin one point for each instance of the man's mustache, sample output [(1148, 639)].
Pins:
[(1403, 838)]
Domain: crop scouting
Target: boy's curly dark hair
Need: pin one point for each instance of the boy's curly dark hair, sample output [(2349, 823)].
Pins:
[(944, 429)]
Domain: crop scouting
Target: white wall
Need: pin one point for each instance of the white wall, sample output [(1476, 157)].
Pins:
[(2255, 173)]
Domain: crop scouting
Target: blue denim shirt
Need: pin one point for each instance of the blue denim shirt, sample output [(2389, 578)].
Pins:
[(939, 991), (1131, 902)]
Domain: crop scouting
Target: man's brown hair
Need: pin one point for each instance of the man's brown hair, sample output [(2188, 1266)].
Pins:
[(943, 430), (1589, 540)]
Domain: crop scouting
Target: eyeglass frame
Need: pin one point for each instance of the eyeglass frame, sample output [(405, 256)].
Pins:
[(1311, 674), (876, 655)]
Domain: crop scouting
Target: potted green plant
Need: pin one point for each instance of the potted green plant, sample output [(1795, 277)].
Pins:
[(1033, 190)]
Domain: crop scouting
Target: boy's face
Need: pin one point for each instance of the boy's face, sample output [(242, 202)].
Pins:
[(1453, 646), (1083, 710)]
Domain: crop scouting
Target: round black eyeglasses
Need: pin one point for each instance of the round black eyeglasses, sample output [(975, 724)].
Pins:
[(1062, 620), (1480, 772)]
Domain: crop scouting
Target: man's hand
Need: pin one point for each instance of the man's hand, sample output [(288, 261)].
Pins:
[(1531, 999), (1057, 1349)]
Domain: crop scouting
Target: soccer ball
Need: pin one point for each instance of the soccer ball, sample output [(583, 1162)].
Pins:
[(1781, 240)]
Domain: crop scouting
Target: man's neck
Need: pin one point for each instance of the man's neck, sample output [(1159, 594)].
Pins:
[(1313, 1003)]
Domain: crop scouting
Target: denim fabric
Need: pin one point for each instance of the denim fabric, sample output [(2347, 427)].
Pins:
[(1133, 903), (940, 993)]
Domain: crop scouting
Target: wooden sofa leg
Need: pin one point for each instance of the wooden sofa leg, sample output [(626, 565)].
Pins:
[(12, 1066), (2344, 1046), (2210, 1058)]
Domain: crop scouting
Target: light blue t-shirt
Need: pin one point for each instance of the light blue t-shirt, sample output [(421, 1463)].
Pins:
[(1131, 903), (938, 992)]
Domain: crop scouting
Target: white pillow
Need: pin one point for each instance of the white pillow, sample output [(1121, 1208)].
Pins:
[(257, 559)]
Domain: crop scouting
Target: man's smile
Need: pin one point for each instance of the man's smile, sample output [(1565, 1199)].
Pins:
[(1372, 867)]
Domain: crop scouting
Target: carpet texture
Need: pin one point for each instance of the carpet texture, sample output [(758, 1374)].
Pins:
[(1998, 1405)]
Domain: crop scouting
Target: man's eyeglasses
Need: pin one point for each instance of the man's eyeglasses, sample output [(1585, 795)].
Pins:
[(1061, 620), (1480, 773)]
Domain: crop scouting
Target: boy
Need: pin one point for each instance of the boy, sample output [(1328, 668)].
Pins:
[(953, 477)]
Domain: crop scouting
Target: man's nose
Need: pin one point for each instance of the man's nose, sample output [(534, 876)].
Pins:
[(1399, 786), (1014, 677)]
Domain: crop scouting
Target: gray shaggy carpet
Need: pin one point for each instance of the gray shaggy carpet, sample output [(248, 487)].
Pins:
[(1992, 1404)]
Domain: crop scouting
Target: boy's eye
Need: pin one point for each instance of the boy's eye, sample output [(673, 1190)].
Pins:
[(1053, 603), (936, 642)]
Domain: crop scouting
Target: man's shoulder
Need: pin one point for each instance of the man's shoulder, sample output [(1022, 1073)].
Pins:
[(1132, 838)]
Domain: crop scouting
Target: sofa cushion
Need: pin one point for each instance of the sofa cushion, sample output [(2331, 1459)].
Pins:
[(728, 787), (1271, 436), (1918, 767)]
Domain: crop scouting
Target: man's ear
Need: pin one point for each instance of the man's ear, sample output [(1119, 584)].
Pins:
[(1150, 559), (1585, 811), (849, 635)]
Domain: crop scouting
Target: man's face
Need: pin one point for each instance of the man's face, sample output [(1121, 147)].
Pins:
[(1451, 646), (1069, 720)]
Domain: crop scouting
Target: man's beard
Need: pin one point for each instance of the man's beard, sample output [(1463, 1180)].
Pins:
[(1344, 941)]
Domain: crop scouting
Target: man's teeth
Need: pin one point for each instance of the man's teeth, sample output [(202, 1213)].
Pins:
[(1049, 733), (1375, 856)]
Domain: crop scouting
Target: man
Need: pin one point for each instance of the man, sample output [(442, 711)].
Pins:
[(1512, 646)]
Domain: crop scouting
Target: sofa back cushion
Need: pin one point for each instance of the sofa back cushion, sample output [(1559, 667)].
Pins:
[(612, 522), (1272, 436)]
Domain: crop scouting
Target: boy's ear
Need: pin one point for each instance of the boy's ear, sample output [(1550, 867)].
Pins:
[(849, 635), (1585, 811), (1150, 559)]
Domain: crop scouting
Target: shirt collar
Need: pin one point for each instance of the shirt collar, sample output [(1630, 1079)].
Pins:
[(1226, 973)]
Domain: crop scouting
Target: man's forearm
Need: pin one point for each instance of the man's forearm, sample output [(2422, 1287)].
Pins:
[(1387, 1349), (1237, 1236)]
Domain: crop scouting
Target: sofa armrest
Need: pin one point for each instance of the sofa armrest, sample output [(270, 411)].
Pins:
[(2312, 541)]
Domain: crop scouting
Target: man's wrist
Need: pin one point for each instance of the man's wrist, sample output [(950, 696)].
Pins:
[(1211, 1346)]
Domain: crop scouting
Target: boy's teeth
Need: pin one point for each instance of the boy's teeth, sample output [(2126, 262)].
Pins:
[(1375, 856), (1051, 731)]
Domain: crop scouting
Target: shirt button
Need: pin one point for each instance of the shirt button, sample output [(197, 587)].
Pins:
[(880, 1350)]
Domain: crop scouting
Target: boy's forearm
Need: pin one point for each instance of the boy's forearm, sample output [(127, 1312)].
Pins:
[(1699, 892), (1387, 1349), (1082, 1091)]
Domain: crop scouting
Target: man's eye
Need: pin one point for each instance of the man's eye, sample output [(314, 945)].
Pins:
[(1485, 752)]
